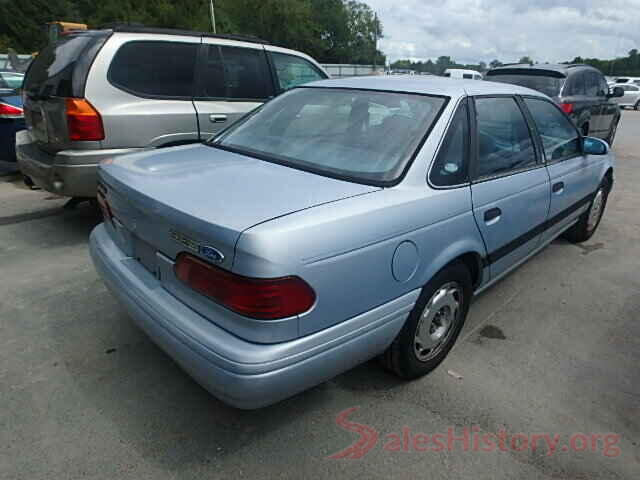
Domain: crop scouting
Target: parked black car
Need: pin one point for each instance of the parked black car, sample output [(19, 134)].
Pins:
[(580, 90)]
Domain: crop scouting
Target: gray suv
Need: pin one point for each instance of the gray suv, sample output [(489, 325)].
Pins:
[(95, 95), (580, 90)]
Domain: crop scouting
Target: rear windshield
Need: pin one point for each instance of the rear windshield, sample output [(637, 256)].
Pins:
[(546, 84), (60, 69), (365, 136)]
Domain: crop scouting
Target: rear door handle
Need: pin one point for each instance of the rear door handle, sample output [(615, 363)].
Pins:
[(558, 187), (492, 215), (217, 118)]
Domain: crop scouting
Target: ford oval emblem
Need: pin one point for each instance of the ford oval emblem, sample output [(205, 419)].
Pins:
[(211, 253)]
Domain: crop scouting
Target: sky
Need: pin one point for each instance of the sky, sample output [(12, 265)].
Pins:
[(482, 30)]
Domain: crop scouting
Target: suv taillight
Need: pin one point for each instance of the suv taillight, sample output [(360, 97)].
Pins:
[(567, 107), (10, 111), (263, 298), (83, 121)]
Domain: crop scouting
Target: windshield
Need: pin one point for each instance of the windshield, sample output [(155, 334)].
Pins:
[(546, 84), (362, 135)]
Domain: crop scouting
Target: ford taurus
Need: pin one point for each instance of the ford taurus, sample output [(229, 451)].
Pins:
[(343, 220)]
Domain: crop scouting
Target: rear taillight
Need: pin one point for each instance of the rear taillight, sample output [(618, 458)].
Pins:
[(10, 111), (263, 298), (83, 120), (567, 107)]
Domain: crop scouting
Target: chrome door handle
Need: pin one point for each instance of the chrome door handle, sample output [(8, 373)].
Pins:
[(217, 118), (558, 187)]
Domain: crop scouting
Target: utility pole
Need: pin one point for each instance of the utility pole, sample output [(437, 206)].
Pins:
[(375, 41), (213, 16)]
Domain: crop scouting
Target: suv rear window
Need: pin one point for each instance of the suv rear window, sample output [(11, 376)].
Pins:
[(60, 69), (155, 68), (547, 84)]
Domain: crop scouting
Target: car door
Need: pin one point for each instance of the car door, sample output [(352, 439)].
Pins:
[(631, 95), (573, 176), (233, 79), (510, 186), (609, 107)]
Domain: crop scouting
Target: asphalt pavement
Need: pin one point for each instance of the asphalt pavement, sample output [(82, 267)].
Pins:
[(553, 349)]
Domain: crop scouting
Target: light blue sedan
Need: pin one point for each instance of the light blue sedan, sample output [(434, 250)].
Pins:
[(343, 220)]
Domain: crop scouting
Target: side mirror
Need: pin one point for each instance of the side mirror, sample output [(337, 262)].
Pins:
[(616, 92), (594, 146)]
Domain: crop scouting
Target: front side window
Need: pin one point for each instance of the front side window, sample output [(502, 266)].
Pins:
[(559, 137), (293, 71), (362, 135), (504, 141), (451, 165), (162, 69)]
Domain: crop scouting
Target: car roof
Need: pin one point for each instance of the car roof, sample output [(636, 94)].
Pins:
[(429, 85), (561, 68)]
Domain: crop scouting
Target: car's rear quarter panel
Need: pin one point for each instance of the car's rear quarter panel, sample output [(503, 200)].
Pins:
[(345, 250)]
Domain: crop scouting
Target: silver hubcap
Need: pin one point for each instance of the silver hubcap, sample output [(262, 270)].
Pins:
[(437, 321), (596, 210)]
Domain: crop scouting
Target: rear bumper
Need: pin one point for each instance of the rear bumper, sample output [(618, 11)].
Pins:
[(243, 374), (72, 173)]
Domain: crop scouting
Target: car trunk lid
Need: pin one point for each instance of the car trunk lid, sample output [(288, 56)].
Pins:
[(190, 197)]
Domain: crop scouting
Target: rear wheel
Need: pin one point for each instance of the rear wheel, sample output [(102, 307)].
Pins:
[(637, 105), (589, 220), (433, 325)]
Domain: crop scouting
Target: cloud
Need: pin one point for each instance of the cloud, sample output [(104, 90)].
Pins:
[(473, 30)]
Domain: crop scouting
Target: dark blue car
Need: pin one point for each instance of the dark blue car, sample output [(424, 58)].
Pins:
[(11, 113)]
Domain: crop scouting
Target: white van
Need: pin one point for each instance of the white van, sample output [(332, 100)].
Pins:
[(461, 73)]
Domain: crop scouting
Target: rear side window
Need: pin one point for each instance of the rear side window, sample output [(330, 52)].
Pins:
[(575, 85), (236, 74), (591, 84), (504, 141), (60, 69), (293, 71), (155, 69), (451, 165), (467, 76), (559, 137)]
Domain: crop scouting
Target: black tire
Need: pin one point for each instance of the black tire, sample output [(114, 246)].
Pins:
[(584, 229), (612, 133), (637, 105), (401, 357), (27, 181)]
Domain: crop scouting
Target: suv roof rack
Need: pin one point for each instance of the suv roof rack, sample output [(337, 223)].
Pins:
[(136, 28)]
